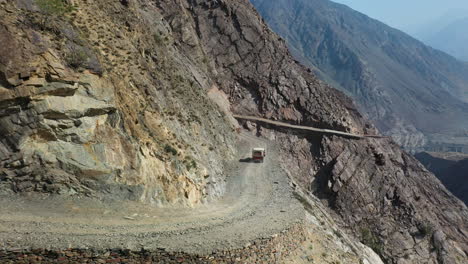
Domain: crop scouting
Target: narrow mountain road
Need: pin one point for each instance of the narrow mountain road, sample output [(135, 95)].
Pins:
[(307, 128), (258, 203)]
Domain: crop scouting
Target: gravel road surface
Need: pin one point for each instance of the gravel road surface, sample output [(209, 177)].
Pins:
[(258, 203)]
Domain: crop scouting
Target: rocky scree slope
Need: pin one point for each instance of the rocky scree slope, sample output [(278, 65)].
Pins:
[(159, 60), (405, 87), (384, 195), (97, 101)]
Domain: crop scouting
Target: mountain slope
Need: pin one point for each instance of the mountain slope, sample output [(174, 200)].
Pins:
[(452, 39), (134, 119), (404, 86), (379, 191)]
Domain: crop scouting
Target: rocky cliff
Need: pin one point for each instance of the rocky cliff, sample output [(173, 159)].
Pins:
[(405, 87), (94, 100), (373, 185), (127, 100)]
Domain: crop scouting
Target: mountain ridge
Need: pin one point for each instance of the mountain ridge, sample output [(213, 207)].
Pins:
[(451, 39), (389, 74)]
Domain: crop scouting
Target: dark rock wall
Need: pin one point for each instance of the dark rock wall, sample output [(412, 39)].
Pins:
[(374, 186)]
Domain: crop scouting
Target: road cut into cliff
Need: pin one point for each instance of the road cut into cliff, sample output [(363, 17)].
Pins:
[(249, 223), (307, 128)]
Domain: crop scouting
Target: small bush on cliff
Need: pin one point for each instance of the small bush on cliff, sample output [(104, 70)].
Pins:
[(54, 7), (51, 10), (425, 229), (371, 240), (170, 149), (76, 57)]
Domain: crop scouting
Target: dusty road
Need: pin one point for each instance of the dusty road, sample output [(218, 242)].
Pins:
[(258, 203), (308, 128)]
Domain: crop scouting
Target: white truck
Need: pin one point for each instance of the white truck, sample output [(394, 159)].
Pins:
[(258, 154)]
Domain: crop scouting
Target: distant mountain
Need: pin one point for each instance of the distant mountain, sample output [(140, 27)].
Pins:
[(451, 169), (425, 30), (408, 89), (452, 39)]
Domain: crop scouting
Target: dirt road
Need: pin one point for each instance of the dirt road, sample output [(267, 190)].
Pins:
[(308, 128), (258, 203)]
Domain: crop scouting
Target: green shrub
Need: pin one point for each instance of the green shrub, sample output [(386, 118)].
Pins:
[(425, 229), (158, 39), (54, 7), (170, 149), (190, 163), (371, 240), (76, 58)]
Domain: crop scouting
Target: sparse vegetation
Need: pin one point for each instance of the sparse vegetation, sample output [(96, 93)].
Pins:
[(371, 240), (190, 163), (170, 149), (337, 233), (159, 39), (425, 229), (54, 7), (76, 57)]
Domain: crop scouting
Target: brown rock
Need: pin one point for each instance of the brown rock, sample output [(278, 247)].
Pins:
[(34, 81), (14, 81)]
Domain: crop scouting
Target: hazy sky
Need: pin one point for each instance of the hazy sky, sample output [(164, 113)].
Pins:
[(407, 15)]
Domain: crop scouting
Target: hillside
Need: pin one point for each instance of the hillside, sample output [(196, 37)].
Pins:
[(405, 87), (118, 143), (451, 39)]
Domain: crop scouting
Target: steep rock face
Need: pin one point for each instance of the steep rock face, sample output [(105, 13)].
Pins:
[(70, 125), (373, 185), (451, 169), (405, 87)]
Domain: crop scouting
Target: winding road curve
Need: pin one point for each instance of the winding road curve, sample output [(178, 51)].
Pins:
[(258, 203)]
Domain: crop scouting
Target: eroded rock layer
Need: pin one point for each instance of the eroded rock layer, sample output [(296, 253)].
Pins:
[(99, 101)]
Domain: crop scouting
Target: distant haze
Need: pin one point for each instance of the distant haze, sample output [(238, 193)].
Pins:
[(409, 16)]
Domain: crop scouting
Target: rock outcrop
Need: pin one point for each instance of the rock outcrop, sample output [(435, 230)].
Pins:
[(91, 106)]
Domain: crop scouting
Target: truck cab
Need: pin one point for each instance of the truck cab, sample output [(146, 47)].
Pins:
[(258, 154)]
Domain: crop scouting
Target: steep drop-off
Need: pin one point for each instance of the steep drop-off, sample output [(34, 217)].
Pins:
[(112, 100), (410, 91), (450, 168)]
